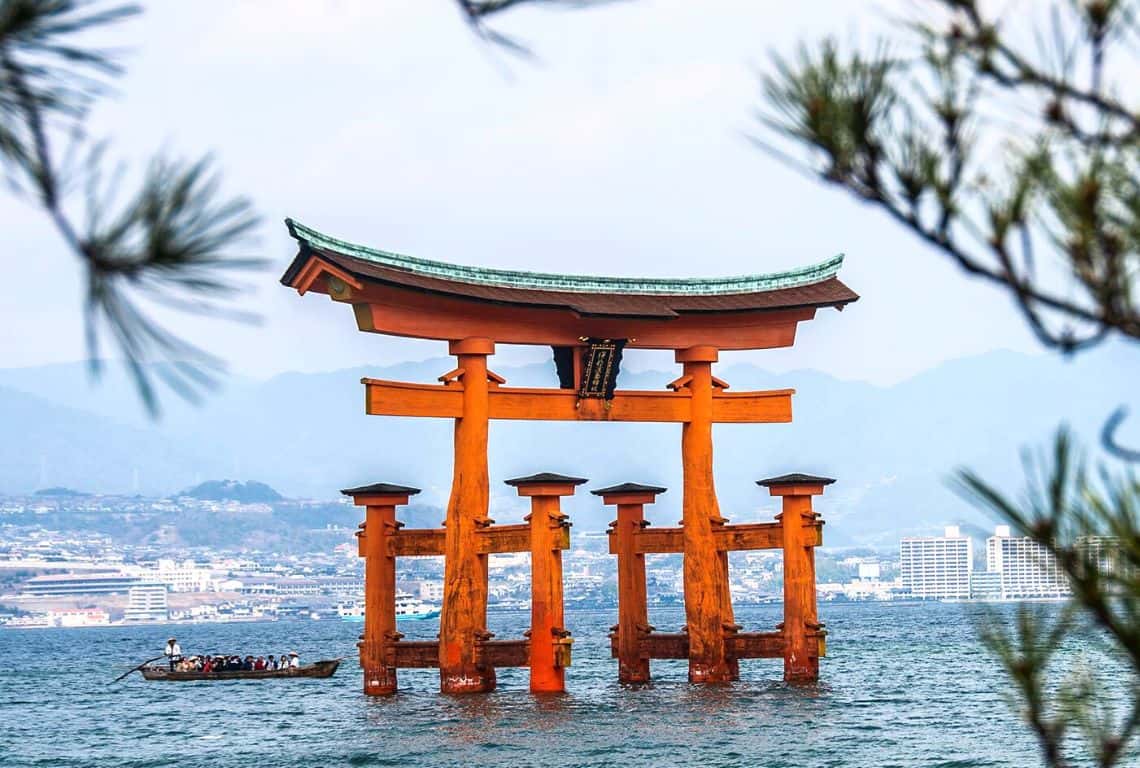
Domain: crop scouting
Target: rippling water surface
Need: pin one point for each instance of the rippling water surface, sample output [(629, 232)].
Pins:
[(904, 685)]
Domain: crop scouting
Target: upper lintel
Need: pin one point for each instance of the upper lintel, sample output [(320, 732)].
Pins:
[(406, 296)]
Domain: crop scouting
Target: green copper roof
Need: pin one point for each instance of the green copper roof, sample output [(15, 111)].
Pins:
[(544, 281)]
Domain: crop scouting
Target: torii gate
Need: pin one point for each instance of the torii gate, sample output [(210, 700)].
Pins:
[(587, 321)]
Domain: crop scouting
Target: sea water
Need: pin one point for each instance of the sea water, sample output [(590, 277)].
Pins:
[(903, 685)]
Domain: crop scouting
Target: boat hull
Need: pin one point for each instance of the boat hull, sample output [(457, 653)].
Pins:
[(317, 669), (357, 619)]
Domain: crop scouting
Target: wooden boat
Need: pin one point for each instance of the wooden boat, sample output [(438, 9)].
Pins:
[(316, 669)]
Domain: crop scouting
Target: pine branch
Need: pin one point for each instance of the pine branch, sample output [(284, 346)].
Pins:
[(170, 244)]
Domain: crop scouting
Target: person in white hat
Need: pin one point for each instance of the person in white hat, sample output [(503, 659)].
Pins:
[(173, 652), (294, 659)]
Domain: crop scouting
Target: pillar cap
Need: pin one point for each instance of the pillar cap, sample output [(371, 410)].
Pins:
[(795, 478), (381, 489), (545, 478), (629, 488), (701, 353), (474, 345)]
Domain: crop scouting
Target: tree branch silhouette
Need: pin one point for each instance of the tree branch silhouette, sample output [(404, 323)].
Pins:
[(170, 243)]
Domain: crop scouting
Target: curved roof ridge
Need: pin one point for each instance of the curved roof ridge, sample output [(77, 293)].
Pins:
[(712, 286)]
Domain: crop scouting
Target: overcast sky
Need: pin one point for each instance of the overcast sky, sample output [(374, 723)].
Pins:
[(620, 151)]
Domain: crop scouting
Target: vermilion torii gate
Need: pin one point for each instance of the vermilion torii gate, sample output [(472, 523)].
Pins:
[(587, 321)]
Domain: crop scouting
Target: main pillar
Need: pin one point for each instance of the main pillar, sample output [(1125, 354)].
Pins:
[(550, 641), (803, 634), (708, 605), (380, 501), (463, 621), (633, 611)]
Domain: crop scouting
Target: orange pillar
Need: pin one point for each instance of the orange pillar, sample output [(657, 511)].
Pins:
[(708, 607), (801, 528), (463, 621), (633, 611), (549, 534), (380, 501)]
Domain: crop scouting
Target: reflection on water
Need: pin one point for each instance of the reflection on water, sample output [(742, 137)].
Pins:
[(901, 688)]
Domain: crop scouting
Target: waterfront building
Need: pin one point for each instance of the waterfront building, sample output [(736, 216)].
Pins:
[(147, 602), (1026, 569), (937, 567), (1104, 551), (431, 591), (985, 586), (79, 618), (184, 577), (341, 586), (71, 584)]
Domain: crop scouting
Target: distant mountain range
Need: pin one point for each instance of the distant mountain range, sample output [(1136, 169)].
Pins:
[(892, 448)]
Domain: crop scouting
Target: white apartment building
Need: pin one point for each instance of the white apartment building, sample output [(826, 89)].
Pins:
[(1026, 568), (431, 591), (1104, 552), (147, 602), (937, 567), (183, 577)]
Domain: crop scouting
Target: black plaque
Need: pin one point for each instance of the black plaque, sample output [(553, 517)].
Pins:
[(600, 365)]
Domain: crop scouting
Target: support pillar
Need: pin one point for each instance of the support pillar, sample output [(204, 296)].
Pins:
[(708, 604), (803, 633), (380, 501), (463, 621), (550, 641), (633, 610)]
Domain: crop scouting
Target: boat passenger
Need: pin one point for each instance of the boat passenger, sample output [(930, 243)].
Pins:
[(271, 662), (294, 659), (173, 652), (247, 664), (259, 664), (207, 665)]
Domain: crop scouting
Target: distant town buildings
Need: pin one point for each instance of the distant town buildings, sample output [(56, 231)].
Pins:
[(1021, 568), (183, 577), (68, 575), (69, 584), (1017, 567), (937, 567), (1103, 552), (147, 603)]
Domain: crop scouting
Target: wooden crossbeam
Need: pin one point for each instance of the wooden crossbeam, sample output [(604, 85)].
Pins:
[(739, 645), (418, 542), (665, 645), (652, 541), (504, 653), (503, 538), (564, 405), (729, 538), (428, 542), (755, 645), (397, 398), (414, 654), (424, 654), (761, 407)]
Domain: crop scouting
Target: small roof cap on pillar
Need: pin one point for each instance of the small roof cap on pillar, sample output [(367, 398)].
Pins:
[(545, 478), (381, 489), (629, 488), (795, 478)]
